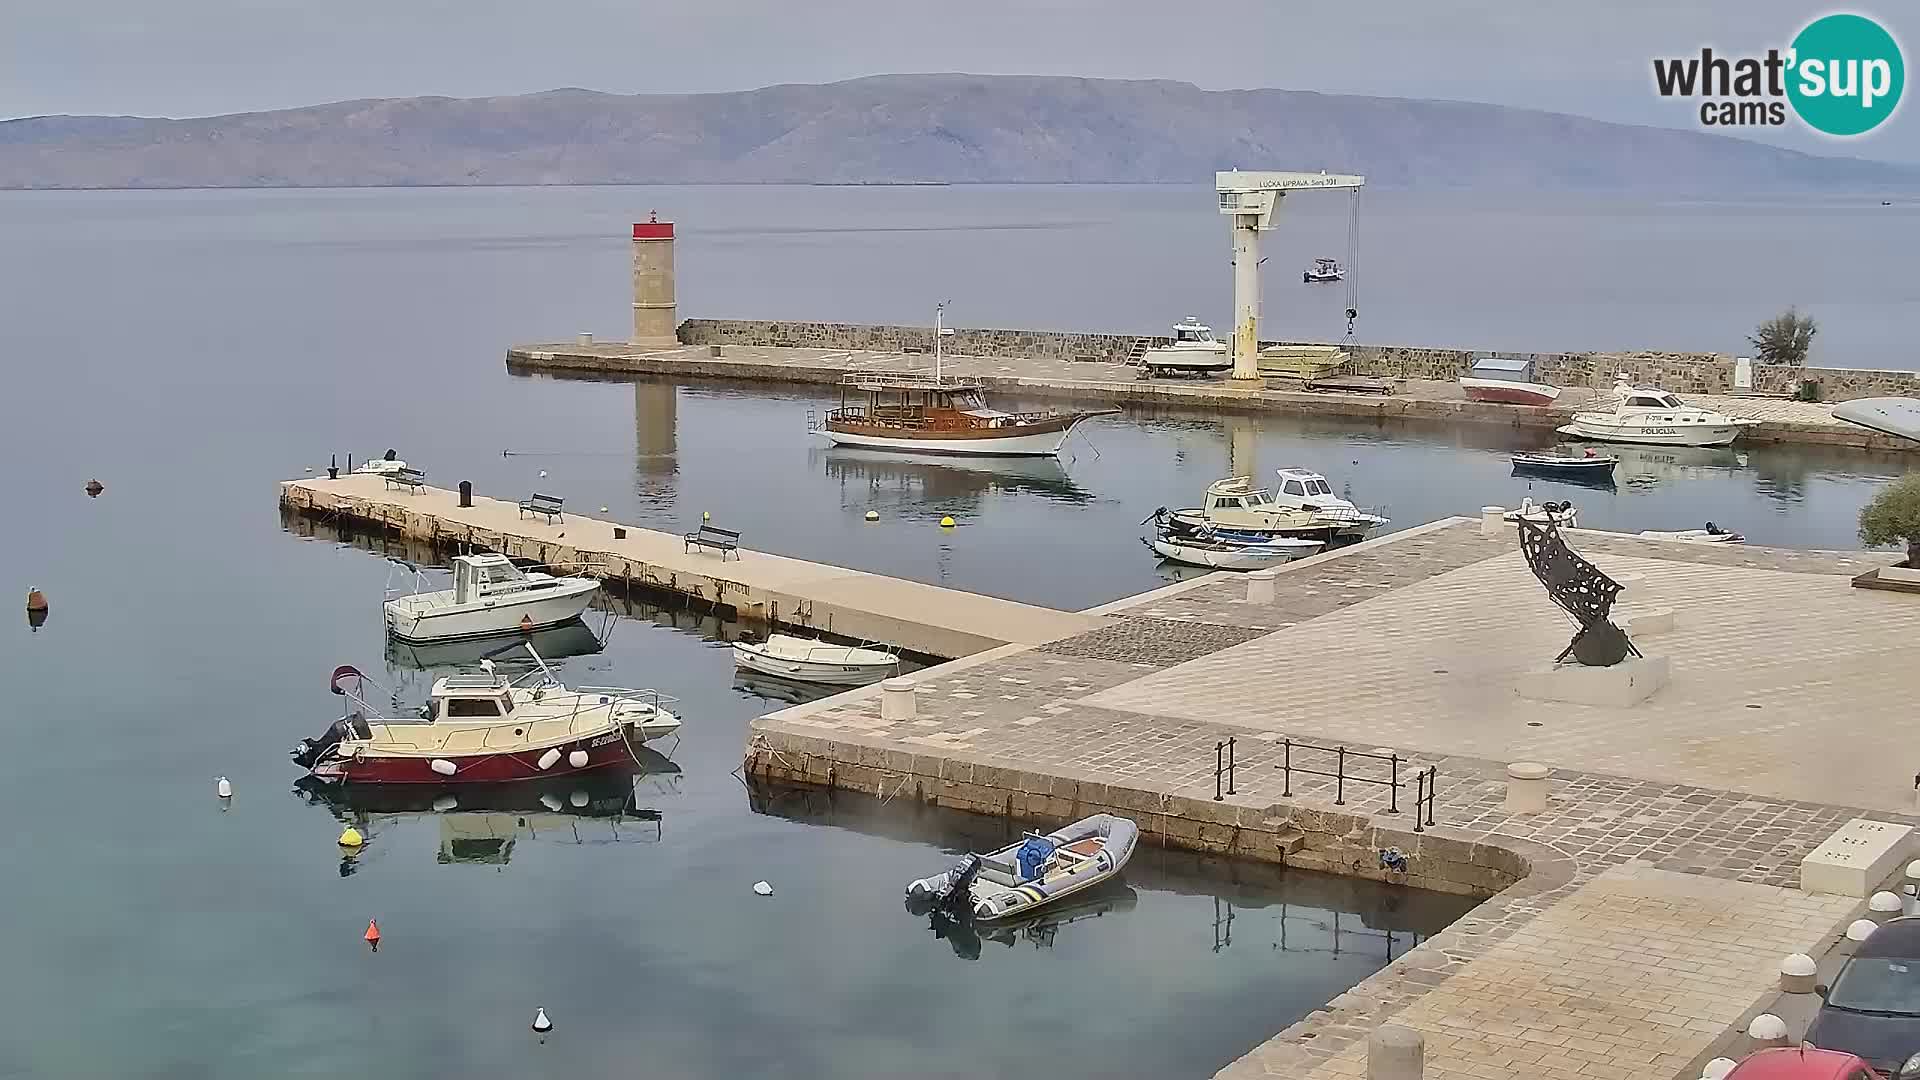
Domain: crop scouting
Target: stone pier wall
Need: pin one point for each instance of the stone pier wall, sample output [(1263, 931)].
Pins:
[(1681, 372)]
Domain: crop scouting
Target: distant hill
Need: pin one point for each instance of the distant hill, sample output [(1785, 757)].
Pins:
[(900, 128)]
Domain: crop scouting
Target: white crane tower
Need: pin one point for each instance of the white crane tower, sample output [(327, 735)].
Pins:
[(1251, 199)]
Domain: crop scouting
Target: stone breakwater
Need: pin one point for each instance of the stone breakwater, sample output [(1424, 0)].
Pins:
[(1681, 372)]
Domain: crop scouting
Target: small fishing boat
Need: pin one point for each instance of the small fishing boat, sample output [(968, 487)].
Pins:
[(1193, 351), (1589, 465), (1323, 270), (1563, 514), (1259, 554), (387, 464), (1712, 534), (490, 595), (1310, 491), (1506, 381), (482, 728), (1648, 415), (813, 661), (1023, 877), (1235, 511)]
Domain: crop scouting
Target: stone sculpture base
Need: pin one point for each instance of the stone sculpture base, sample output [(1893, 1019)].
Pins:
[(1620, 686)]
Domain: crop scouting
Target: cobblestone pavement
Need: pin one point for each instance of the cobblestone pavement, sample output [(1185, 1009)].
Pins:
[(1377, 645)]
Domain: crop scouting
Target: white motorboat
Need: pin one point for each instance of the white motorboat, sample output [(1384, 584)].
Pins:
[(1033, 872), (813, 661), (1712, 534), (1310, 491), (1236, 512), (386, 465), (1323, 270), (1648, 415), (1506, 381), (1194, 350), (490, 595), (1197, 550), (1563, 514)]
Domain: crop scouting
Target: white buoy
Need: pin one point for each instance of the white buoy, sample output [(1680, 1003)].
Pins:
[(577, 759), (444, 767), (1861, 929), (223, 788), (762, 888), (578, 799), (1717, 1069), (603, 509), (548, 760), (1768, 1028), (551, 801), (445, 803), (543, 474), (540, 1022)]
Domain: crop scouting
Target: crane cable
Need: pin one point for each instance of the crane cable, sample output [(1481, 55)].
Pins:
[(1353, 260)]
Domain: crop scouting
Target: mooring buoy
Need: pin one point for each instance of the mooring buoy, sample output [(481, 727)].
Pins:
[(372, 935), (95, 487), (351, 838), (222, 788), (36, 600), (946, 522), (540, 1022), (873, 515)]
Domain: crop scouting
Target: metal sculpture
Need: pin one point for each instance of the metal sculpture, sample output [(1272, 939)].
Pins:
[(1582, 590)]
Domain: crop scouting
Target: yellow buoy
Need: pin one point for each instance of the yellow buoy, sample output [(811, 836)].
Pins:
[(704, 516), (873, 515), (351, 838), (946, 523)]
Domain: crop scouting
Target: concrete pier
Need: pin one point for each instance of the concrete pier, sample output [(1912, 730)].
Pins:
[(923, 619)]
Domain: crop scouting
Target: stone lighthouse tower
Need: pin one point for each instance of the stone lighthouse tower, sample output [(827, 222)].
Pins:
[(653, 308)]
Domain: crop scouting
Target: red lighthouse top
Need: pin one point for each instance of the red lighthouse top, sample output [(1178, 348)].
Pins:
[(653, 228)]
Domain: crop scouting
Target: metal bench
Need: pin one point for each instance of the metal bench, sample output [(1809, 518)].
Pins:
[(547, 506), (713, 536), (411, 479)]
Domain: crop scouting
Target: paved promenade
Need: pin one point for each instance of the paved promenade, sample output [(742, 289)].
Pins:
[(1658, 890), (1783, 420)]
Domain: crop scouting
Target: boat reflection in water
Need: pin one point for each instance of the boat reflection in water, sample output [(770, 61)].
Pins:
[(949, 481), (572, 638), (483, 823), (775, 688), (966, 937)]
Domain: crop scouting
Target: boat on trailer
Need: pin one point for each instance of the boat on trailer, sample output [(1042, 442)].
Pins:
[(1036, 871), (490, 595), (483, 728), (1193, 350), (811, 660)]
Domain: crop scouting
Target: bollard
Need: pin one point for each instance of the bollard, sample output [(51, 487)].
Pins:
[(897, 699), (1882, 906), (1527, 786), (1796, 974), (466, 493), (1493, 522), (1717, 1069), (1395, 1053), (1767, 1030), (619, 533), (1260, 586), (1861, 929), (584, 339)]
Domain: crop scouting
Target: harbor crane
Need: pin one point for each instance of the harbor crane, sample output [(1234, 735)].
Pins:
[(1252, 199)]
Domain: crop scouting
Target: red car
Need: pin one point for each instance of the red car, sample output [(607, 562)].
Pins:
[(1790, 1063)]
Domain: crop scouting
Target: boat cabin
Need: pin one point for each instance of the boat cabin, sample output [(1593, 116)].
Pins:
[(1299, 486), (1193, 334), (1326, 266), (475, 576), (1635, 398), (915, 401), (1237, 493), (1502, 369), (472, 697)]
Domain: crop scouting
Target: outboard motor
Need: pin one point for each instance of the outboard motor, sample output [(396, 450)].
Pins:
[(307, 752)]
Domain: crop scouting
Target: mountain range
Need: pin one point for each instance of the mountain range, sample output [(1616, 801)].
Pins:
[(908, 128)]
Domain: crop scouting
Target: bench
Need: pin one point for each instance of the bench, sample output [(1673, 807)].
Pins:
[(411, 479), (547, 506), (713, 536)]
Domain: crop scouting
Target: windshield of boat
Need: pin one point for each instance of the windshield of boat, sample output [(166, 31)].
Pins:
[(502, 573), (1317, 486), (1258, 498), (1653, 401), (1878, 984), (1192, 333)]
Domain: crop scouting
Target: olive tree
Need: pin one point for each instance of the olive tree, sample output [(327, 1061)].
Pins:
[(1784, 339), (1894, 517)]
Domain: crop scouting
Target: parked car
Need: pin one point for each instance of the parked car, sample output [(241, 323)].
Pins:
[(1790, 1063), (1873, 1008)]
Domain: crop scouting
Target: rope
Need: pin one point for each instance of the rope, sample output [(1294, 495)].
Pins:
[(1353, 259)]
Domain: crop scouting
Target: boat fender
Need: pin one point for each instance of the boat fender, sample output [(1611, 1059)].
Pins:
[(445, 803), (444, 767), (548, 759), (577, 759), (577, 800), (1394, 860), (550, 801)]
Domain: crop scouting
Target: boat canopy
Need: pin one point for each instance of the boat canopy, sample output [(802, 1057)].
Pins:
[(1502, 369), (1192, 330), (1301, 482)]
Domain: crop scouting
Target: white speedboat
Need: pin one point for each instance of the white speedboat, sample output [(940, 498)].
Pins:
[(1563, 514), (1506, 381), (1197, 550), (490, 595), (1193, 351), (1310, 491), (1035, 871), (1648, 415), (812, 661), (1323, 270), (1712, 534)]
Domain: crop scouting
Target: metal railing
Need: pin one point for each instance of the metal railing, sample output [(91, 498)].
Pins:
[(1425, 781), (1224, 767)]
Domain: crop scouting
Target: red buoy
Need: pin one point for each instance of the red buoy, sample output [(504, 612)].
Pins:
[(526, 624), (373, 935)]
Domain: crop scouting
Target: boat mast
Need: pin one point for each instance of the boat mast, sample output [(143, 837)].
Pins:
[(939, 328)]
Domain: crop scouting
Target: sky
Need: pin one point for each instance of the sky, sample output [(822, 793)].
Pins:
[(204, 57)]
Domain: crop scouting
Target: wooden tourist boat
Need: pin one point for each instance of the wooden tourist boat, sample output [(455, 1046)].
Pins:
[(942, 414), (482, 728)]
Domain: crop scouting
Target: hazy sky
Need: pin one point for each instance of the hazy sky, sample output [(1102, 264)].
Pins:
[(198, 57)]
